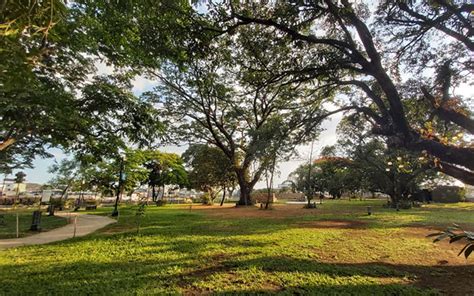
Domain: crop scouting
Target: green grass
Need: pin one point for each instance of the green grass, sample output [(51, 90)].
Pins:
[(8, 229), (180, 251)]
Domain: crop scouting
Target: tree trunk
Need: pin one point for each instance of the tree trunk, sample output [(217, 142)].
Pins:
[(246, 188), (7, 143), (153, 193), (245, 199), (64, 192), (223, 197)]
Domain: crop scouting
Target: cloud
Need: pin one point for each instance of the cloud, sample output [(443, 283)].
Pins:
[(142, 84)]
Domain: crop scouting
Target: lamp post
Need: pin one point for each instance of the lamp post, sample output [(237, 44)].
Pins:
[(119, 189)]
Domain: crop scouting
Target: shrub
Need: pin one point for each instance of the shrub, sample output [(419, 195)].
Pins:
[(58, 203), (449, 194), (69, 203), (403, 204), (206, 199), (161, 202)]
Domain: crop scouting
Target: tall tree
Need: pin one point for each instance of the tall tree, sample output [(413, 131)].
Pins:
[(341, 51), (66, 173), (164, 169), (215, 101), (209, 170), (375, 167), (209, 82), (48, 97), (20, 178)]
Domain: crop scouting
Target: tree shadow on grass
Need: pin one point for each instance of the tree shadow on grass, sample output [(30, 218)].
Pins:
[(453, 280), (147, 273), (167, 275)]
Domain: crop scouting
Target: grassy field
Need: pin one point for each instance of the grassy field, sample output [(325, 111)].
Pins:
[(334, 250), (8, 229)]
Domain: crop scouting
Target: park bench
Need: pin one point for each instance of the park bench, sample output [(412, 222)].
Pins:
[(91, 207)]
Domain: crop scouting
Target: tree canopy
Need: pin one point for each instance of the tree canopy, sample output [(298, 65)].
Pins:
[(209, 169), (50, 95), (253, 79), (349, 47)]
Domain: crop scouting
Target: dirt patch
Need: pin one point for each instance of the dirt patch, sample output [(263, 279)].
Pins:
[(340, 224), (278, 211)]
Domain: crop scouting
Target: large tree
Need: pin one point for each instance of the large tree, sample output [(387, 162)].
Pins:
[(209, 170), (49, 95), (375, 167), (164, 169), (209, 81), (347, 46), (221, 101)]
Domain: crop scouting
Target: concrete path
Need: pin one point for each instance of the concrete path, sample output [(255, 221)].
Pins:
[(85, 224)]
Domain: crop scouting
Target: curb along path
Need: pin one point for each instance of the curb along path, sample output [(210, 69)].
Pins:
[(86, 224)]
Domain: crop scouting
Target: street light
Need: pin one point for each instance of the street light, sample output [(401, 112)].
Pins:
[(119, 189)]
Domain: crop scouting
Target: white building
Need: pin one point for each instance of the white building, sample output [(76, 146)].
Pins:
[(286, 185), (9, 188)]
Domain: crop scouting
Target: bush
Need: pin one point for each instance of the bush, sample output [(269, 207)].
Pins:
[(69, 203), (58, 203), (310, 206), (161, 203), (91, 202), (449, 194), (27, 201), (206, 199), (403, 204)]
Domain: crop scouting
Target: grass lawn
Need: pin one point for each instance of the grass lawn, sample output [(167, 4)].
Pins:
[(334, 250), (8, 229)]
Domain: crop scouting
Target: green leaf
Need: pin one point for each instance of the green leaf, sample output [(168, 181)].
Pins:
[(456, 238), (469, 251), (462, 250), (441, 237), (435, 234)]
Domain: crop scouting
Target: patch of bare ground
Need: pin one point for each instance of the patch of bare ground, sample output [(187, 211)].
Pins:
[(277, 211), (339, 224)]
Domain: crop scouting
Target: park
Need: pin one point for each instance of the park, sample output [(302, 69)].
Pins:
[(200, 147), (336, 249)]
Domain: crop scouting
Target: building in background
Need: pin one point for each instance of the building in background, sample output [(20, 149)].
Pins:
[(286, 185), (10, 188)]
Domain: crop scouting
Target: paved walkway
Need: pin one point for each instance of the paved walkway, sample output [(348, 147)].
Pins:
[(85, 224)]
